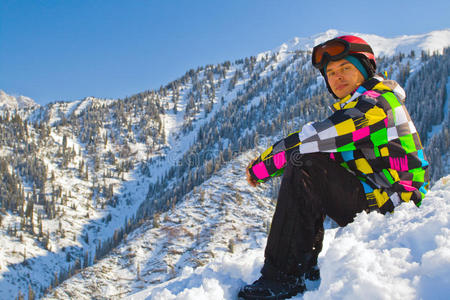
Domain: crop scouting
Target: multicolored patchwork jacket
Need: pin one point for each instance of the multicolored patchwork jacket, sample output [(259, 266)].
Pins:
[(370, 133)]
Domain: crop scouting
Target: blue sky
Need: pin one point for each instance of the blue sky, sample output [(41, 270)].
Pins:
[(53, 50)]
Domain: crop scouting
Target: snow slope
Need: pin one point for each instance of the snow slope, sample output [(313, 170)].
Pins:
[(218, 218), (405, 255)]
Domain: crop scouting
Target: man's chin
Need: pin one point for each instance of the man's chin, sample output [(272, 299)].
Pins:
[(341, 94)]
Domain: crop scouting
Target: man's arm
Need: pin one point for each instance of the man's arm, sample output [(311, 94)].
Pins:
[(347, 129)]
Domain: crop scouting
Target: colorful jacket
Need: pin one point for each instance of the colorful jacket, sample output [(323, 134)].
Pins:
[(370, 133)]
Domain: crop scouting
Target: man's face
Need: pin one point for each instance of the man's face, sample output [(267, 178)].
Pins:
[(343, 77)]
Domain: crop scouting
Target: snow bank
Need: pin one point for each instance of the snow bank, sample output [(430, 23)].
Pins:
[(405, 255), (220, 279)]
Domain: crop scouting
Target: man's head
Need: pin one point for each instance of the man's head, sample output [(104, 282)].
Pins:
[(343, 77), (348, 58)]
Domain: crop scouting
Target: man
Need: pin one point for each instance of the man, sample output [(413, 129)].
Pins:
[(366, 156)]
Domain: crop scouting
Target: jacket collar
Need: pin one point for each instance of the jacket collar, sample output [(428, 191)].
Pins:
[(364, 87)]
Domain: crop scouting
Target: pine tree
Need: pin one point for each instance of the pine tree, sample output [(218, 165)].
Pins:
[(31, 294)]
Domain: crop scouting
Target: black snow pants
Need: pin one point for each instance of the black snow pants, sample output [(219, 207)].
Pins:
[(312, 187)]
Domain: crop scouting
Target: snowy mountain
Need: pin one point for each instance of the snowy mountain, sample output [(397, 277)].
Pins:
[(213, 242), (429, 42), (15, 102), (104, 198)]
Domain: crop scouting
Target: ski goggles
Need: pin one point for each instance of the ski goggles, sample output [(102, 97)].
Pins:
[(335, 49)]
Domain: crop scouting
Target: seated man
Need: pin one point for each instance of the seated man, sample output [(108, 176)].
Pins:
[(366, 156)]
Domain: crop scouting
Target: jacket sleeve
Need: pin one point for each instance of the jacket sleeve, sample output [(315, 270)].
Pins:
[(361, 124)]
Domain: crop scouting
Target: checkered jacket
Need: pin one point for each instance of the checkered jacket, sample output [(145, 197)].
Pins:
[(370, 133)]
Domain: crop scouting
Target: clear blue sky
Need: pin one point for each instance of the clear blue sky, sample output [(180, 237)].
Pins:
[(52, 50)]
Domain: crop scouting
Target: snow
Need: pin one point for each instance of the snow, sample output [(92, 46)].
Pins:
[(432, 41), (219, 280), (186, 238), (404, 255), (15, 102)]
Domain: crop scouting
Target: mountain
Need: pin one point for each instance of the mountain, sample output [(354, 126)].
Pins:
[(131, 191), (428, 42), (16, 102)]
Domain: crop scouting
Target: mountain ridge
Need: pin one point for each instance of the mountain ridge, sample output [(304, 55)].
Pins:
[(16, 102), (429, 42)]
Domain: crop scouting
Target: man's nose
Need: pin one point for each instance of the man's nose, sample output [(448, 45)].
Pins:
[(339, 74)]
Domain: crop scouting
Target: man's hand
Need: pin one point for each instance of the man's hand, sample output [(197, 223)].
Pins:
[(250, 179)]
